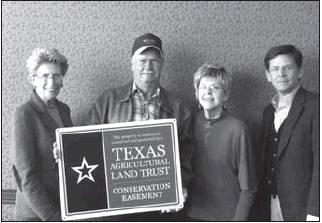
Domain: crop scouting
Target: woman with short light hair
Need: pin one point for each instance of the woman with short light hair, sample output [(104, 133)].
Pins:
[(224, 176), (35, 122)]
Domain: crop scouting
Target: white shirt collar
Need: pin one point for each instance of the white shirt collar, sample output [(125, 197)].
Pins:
[(285, 101)]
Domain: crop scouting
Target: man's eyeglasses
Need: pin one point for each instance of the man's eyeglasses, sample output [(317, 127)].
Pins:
[(55, 77), (287, 68)]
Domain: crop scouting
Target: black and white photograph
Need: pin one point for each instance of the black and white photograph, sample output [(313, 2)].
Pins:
[(160, 111)]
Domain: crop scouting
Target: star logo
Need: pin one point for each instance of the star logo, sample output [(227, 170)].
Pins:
[(84, 171)]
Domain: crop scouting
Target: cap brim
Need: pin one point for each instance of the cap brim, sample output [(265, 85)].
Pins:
[(140, 50)]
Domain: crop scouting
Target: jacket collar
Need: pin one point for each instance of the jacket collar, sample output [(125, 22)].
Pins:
[(123, 94), (165, 101), (286, 101), (39, 106), (293, 115), (136, 89)]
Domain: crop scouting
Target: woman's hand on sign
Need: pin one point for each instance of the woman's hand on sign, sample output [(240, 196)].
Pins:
[(184, 193), (56, 152)]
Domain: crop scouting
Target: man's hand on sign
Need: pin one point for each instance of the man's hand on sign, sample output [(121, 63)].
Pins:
[(185, 195)]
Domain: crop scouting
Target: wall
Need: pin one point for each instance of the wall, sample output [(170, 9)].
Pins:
[(97, 38)]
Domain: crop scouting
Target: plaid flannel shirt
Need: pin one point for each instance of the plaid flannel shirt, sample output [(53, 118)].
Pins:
[(145, 109)]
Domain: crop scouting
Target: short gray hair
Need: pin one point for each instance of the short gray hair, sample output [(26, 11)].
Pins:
[(208, 70), (46, 55)]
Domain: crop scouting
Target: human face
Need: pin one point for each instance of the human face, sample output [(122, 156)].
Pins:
[(284, 74), (147, 68), (211, 94), (48, 81)]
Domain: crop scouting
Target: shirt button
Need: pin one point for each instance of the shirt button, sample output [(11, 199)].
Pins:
[(275, 139), (273, 169), (269, 181), (274, 155)]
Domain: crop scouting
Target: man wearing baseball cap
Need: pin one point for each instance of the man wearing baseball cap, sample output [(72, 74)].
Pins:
[(146, 41), (144, 99)]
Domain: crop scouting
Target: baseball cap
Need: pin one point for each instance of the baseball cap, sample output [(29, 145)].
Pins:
[(145, 41)]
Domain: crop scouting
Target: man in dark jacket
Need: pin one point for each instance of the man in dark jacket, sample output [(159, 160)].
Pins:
[(144, 99), (290, 159)]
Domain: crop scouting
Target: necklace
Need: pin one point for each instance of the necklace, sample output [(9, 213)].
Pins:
[(208, 126)]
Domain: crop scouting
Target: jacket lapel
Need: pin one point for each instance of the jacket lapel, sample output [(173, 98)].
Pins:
[(64, 115), (164, 102), (290, 121), (123, 95), (41, 110), (268, 118)]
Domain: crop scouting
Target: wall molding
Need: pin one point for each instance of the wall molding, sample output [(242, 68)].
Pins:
[(8, 196)]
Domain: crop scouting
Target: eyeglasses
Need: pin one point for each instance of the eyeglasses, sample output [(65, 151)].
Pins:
[(55, 77), (213, 89), (287, 68)]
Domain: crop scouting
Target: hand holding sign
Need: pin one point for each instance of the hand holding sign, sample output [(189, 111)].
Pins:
[(185, 196), (56, 152)]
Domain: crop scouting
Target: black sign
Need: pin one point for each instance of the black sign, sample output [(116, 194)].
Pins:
[(122, 168)]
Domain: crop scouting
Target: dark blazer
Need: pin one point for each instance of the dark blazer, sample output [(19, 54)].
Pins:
[(34, 166), (298, 159)]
